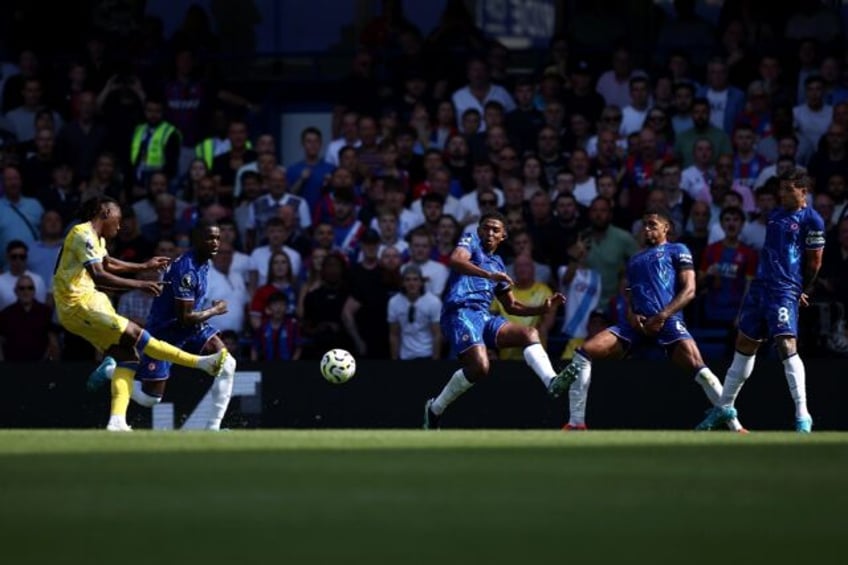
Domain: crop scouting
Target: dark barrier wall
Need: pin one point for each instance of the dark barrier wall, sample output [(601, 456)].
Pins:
[(631, 394)]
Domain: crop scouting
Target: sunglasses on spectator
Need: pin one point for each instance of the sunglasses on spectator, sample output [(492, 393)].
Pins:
[(21, 256), (488, 202), (29, 287), (410, 314)]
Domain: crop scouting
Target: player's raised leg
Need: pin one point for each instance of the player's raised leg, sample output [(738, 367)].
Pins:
[(157, 349), (527, 338), (102, 374)]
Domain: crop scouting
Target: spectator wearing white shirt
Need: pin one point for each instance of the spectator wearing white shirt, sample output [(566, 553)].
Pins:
[(585, 188), (813, 117), (484, 178), (225, 284), (479, 91), (265, 207), (634, 114), (393, 201), (276, 235), (387, 227), (241, 261), (439, 183), (413, 316), (349, 137), (17, 254), (697, 178), (487, 202), (420, 251), (262, 166)]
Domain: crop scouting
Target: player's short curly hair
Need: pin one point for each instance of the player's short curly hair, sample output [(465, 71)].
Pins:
[(661, 213), (493, 216), (92, 207), (797, 178)]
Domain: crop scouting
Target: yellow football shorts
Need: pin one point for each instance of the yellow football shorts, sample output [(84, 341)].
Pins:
[(94, 319)]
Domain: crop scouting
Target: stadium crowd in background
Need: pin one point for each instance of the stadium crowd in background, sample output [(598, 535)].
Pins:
[(347, 245)]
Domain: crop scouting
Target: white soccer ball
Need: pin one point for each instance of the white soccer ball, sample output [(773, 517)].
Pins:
[(338, 366)]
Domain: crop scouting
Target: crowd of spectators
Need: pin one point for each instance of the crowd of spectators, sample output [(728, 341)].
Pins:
[(348, 244)]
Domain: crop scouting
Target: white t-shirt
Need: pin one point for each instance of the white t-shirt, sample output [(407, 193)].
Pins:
[(259, 262), (7, 288), (332, 154), (407, 221), (469, 201), (435, 276), (632, 120), (810, 124), (231, 288), (583, 294), (718, 105), (463, 100), (416, 337), (694, 183), (586, 191)]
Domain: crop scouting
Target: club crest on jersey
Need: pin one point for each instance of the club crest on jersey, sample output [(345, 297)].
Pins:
[(186, 282)]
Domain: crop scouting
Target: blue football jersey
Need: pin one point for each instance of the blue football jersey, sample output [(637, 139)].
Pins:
[(788, 236), (185, 280), (652, 277), (465, 291)]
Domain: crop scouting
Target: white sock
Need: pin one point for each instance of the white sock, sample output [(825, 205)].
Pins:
[(453, 390), (739, 371), (538, 360), (796, 376), (222, 391), (578, 393), (710, 383), (142, 398)]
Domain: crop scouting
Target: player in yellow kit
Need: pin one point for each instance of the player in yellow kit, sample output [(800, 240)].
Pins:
[(84, 266)]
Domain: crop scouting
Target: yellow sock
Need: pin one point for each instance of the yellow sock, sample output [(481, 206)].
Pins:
[(166, 352), (122, 382)]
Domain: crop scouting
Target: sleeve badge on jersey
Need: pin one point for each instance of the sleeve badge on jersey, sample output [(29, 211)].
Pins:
[(89, 245), (186, 282)]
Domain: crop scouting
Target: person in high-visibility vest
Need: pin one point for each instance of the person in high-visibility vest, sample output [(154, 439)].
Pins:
[(155, 144), (218, 142)]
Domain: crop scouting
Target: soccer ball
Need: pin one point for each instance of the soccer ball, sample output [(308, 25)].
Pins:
[(338, 366)]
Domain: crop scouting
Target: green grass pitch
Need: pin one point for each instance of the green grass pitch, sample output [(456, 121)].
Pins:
[(409, 497)]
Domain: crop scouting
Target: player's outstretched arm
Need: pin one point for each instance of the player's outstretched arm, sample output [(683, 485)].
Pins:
[(105, 279), (460, 261), (187, 316), (119, 267), (514, 307)]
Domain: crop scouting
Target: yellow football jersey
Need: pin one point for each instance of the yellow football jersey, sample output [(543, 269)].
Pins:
[(72, 285)]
